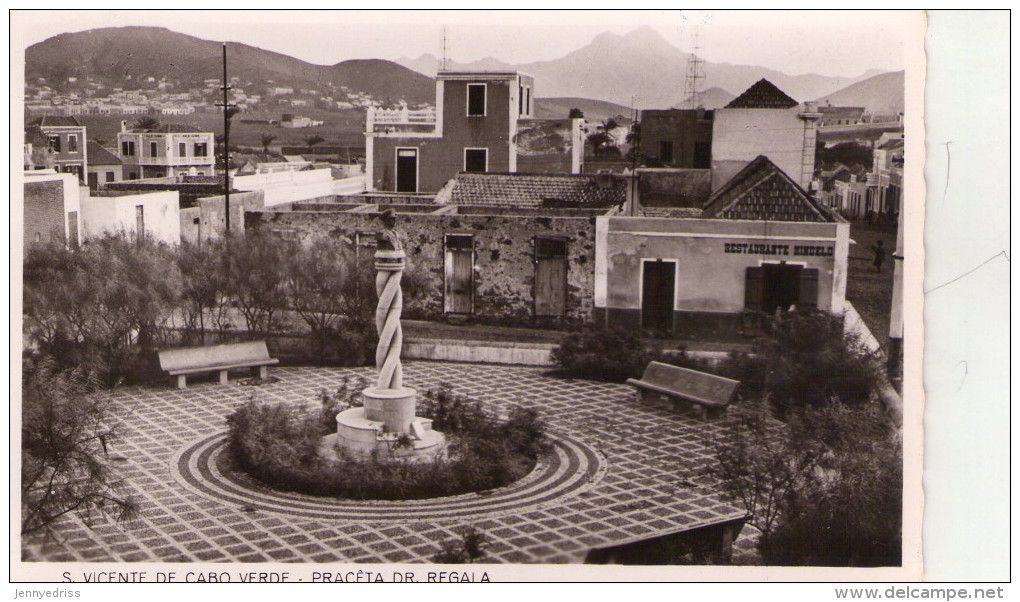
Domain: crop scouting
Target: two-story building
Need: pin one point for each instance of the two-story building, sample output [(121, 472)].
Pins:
[(484, 121), (65, 136), (166, 151), (762, 120)]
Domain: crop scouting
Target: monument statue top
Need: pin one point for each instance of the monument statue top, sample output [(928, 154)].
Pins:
[(387, 239)]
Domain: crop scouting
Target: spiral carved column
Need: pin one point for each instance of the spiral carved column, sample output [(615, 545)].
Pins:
[(389, 266)]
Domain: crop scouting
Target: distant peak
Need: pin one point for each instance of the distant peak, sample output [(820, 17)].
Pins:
[(643, 32), (606, 36)]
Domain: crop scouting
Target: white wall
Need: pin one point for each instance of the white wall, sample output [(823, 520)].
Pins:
[(161, 215), (288, 186), (743, 134)]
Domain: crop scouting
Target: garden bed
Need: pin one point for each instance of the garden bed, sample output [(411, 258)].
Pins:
[(277, 444)]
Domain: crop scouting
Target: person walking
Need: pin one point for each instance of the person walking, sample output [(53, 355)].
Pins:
[(879, 251)]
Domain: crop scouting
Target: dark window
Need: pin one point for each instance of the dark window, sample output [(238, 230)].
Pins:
[(702, 155), (201, 149), (182, 149), (476, 100), (476, 160), (520, 100), (666, 151), (527, 104), (153, 148), (55, 143), (127, 148), (72, 144), (109, 176)]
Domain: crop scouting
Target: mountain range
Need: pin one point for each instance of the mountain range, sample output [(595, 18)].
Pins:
[(120, 55), (639, 69), (644, 65)]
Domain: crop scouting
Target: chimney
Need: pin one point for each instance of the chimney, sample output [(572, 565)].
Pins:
[(123, 126)]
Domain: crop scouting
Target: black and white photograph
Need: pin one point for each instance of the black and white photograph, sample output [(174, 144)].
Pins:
[(303, 292)]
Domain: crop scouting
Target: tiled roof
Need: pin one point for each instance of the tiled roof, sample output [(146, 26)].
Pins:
[(100, 156), (762, 191), (762, 95), (56, 121), (536, 190)]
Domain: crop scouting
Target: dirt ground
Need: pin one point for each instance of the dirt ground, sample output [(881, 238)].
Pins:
[(869, 291)]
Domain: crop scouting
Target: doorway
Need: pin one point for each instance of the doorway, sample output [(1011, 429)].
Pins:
[(781, 286), (407, 170), (550, 277), (458, 297), (658, 287)]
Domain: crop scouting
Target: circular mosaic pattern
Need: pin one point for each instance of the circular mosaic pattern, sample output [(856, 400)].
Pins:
[(570, 468)]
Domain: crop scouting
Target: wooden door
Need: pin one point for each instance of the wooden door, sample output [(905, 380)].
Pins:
[(550, 277), (407, 170), (460, 262), (657, 295), (781, 286)]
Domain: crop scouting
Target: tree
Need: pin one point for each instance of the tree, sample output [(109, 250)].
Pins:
[(834, 487), (89, 306), (311, 141), (257, 276), (321, 288), (267, 139), (762, 463), (65, 437), (602, 142), (576, 113), (203, 287), (146, 123)]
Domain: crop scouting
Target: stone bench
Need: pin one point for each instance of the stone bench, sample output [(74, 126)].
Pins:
[(688, 391), (215, 358)]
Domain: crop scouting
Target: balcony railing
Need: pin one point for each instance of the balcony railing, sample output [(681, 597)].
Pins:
[(146, 160), (399, 117)]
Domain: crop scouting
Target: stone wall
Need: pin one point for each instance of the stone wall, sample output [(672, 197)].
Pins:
[(504, 257), (44, 212)]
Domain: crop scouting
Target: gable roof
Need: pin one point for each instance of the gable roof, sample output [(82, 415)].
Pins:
[(100, 156), (536, 190), (762, 95), (762, 191), (56, 121)]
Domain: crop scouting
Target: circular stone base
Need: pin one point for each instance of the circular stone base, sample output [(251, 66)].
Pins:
[(333, 447)]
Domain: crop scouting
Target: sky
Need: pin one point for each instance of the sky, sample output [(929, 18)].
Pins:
[(845, 43)]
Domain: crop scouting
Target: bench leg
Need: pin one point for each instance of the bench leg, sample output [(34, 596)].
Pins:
[(263, 372), (223, 377), (182, 381)]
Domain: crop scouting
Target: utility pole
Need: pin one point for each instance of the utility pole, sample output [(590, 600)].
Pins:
[(227, 114)]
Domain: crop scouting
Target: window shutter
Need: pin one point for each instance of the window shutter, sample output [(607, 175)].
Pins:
[(754, 288), (808, 298)]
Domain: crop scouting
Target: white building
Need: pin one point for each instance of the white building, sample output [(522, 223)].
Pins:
[(166, 151)]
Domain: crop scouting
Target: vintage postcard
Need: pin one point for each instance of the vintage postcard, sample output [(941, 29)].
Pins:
[(467, 296)]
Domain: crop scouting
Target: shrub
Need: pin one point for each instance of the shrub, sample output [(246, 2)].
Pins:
[(278, 444), (850, 513), (470, 548), (602, 354), (823, 489), (65, 434)]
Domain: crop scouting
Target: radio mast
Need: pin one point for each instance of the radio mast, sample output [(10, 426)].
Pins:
[(695, 73)]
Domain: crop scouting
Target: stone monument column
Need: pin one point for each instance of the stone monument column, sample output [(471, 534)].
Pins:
[(388, 415)]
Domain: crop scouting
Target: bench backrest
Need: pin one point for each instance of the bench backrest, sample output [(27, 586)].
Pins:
[(187, 358), (691, 383)]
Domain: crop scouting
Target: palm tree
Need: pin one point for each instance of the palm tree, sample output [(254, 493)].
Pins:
[(311, 141), (146, 123), (267, 139)]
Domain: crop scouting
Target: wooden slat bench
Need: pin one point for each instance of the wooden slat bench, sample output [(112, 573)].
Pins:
[(215, 358), (689, 391)]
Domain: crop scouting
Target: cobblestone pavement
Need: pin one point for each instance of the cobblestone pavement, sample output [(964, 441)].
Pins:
[(621, 471)]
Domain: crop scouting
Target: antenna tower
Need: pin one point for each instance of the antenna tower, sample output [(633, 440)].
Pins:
[(444, 63), (695, 73)]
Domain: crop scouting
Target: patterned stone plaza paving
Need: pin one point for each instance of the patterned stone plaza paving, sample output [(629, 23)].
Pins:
[(620, 471)]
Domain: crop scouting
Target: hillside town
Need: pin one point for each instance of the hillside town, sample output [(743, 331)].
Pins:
[(596, 319)]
